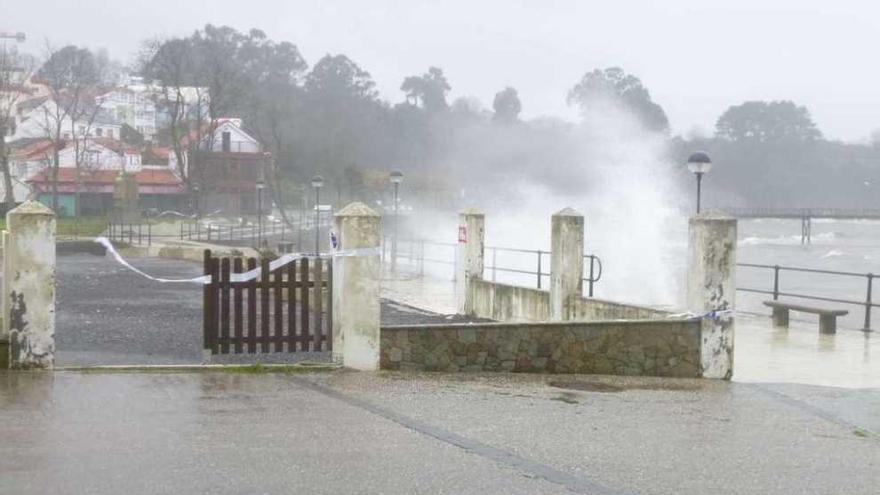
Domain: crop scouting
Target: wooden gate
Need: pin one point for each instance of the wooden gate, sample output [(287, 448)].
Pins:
[(285, 310)]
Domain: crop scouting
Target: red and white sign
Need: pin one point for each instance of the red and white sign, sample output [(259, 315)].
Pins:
[(462, 234)]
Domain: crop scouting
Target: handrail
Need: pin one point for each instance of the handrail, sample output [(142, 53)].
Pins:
[(868, 303), (594, 268)]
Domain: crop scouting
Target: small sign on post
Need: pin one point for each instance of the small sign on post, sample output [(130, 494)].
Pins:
[(462, 234)]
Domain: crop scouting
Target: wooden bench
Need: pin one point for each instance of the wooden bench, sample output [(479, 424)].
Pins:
[(827, 317)]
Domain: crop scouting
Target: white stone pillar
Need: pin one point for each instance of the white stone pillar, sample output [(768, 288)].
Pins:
[(469, 256), (712, 288), (566, 261), (29, 286), (356, 289)]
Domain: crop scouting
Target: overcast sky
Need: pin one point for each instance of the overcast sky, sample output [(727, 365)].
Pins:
[(697, 57)]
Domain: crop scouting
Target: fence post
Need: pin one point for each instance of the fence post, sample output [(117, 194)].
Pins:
[(592, 262), (711, 289), (469, 256), (776, 282), (27, 339), (566, 261), (494, 262), (539, 252), (356, 289), (868, 303)]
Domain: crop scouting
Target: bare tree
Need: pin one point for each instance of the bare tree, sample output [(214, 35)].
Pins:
[(15, 72), (69, 73)]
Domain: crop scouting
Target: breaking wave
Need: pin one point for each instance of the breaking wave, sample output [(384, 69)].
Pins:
[(789, 240)]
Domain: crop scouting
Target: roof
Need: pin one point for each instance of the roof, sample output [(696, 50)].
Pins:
[(115, 145), (31, 148), (145, 177)]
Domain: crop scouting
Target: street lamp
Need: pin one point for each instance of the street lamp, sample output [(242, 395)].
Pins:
[(260, 186), (317, 184), (195, 201), (396, 177), (699, 163)]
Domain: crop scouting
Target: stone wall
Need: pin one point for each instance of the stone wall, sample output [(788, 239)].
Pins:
[(645, 347), (511, 303)]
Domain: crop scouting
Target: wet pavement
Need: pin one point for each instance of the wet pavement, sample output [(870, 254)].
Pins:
[(342, 432), (802, 416), (107, 314)]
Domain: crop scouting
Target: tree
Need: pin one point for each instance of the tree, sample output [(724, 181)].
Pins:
[(615, 86), (763, 122), (15, 72), (506, 105), (69, 73), (428, 90)]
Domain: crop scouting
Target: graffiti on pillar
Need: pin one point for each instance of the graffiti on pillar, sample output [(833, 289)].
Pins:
[(462, 234)]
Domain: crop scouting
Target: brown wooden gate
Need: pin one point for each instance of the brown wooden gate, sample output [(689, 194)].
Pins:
[(287, 310)]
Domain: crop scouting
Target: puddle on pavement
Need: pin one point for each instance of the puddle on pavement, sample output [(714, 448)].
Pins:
[(601, 387)]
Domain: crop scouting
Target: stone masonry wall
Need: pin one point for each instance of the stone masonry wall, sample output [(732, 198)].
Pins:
[(645, 347)]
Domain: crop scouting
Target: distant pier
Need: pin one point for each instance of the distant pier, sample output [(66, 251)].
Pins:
[(806, 215)]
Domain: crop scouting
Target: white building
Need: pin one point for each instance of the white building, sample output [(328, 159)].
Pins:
[(134, 107), (38, 118)]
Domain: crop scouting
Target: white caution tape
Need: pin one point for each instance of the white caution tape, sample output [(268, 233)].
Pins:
[(237, 277), (709, 315)]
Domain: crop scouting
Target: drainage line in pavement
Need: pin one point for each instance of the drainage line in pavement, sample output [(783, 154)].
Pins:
[(531, 468), (827, 416)]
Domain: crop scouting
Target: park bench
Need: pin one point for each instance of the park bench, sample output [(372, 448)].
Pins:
[(827, 317)]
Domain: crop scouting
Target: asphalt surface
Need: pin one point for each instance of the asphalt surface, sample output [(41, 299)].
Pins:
[(106, 314), (390, 433)]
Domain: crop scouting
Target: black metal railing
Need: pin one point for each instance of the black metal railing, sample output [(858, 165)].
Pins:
[(413, 250), (131, 233), (776, 292)]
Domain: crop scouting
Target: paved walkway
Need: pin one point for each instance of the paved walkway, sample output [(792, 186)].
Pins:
[(110, 315), (232, 433)]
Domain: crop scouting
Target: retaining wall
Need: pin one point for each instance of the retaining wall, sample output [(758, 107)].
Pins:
[(668, 348), (511, 303)]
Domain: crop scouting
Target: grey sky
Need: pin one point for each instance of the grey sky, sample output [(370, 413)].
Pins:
[(696, 57)]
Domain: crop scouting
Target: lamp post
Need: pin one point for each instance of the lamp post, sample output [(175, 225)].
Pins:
[(317, 184), (396, 177), (699, 163), (195, 201), (260, 186)]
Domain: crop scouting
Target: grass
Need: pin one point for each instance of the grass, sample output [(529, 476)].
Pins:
[(69, 226), (82, 227)]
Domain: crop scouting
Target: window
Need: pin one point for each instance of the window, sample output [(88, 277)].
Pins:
[(99, 132), (82, 130), (227, 141), (110, 133)]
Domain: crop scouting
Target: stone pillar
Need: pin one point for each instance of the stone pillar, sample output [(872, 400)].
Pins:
[(469, 256), (356, 289), (712, 288), (29, 286), (566, 261)]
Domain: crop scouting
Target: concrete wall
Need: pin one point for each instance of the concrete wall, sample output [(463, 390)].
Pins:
[(508, 303), (646, 347), (511, 303), (586, 309)]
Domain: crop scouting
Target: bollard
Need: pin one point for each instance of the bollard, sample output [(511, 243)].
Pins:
[(712, 288), (566, 261), (356, 289), (469, 256), (29, 286)]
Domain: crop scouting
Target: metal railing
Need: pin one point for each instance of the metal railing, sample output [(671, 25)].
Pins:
[(130, 233), (196, 231), (867, 303), (413, 250)]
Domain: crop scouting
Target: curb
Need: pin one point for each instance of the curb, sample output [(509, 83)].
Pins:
[(204, 368)]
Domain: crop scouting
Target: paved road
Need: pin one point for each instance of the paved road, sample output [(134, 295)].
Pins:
[(110, 315), (228, 433)]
